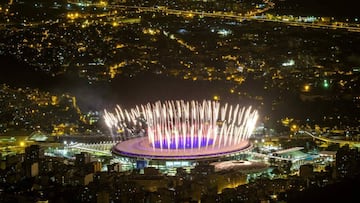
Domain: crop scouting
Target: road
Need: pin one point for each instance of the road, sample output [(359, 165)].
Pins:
[(341, 142)]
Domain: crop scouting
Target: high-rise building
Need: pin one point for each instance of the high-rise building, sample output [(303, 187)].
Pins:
[(33, 154), (347, 162), (82, 159)]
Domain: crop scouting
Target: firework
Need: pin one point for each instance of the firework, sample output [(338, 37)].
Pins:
[(180, 125)]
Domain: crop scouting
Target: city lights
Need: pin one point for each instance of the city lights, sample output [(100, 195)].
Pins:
[(306, 88), (326, 83), (221, 101)]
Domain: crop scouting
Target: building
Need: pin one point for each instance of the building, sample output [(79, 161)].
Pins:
[(82, 159), (347, 162)]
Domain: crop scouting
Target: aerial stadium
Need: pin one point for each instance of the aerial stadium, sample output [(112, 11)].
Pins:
[(181, 130)]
